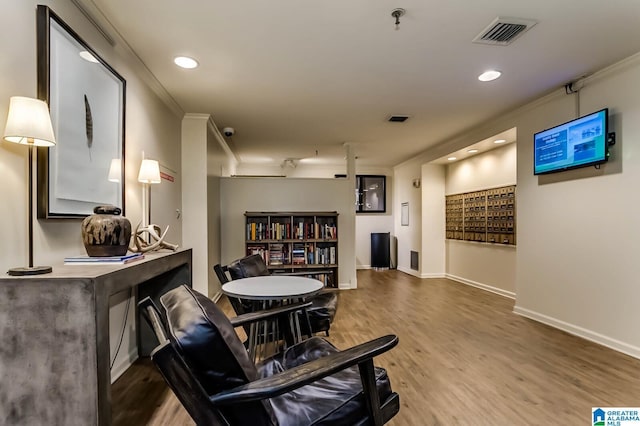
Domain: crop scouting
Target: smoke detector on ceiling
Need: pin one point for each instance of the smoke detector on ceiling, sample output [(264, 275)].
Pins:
[(503, 31)]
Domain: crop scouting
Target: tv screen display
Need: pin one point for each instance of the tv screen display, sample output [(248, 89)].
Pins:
[(578, 143)]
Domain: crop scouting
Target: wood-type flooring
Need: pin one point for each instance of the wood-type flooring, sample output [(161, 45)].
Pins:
[(464, 358)]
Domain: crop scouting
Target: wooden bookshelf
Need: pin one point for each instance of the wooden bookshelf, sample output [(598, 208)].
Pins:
[(295, 242)]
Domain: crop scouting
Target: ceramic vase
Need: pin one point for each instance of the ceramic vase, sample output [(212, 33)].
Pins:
[(106, 232)]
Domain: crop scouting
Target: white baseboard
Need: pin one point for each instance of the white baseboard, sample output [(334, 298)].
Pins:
[(363, 266), (433, 275), (120, 367), (492, 289), (344, 286), (217, 296), (409, 271), (592, 336)]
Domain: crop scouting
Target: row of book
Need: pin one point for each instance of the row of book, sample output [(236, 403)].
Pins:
[(279, 254), (326, 255), (300, 254), (310, 230), (257, 231)]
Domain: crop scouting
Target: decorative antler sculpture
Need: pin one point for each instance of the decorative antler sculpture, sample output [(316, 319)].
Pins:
[(141, 244)]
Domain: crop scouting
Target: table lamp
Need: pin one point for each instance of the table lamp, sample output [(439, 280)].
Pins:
[(29, 123), (149, 174), (115, 170)]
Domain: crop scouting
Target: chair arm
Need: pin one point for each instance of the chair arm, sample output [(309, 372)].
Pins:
[(267, 313), (152, 315), (304, 374)]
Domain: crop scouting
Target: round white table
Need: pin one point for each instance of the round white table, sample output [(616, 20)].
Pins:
[(272, 287), (265, 290)]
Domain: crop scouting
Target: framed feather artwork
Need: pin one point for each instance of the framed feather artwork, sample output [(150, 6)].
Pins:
[(87, 102)]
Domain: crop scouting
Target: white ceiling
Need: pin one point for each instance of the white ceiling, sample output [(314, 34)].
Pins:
[(293, 77)]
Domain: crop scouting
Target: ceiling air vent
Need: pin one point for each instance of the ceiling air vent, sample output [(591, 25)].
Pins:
[(503, 31), (398, 118)]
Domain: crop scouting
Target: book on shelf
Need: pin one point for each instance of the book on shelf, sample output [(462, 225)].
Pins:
[(298, 254), (103, 260), (259, 250), (277, 255), (256, 231)]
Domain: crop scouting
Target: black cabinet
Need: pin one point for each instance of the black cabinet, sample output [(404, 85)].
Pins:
[(380, 250)]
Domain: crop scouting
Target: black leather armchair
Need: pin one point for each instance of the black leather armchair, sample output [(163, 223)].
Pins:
[(323, 305), (310, 383)]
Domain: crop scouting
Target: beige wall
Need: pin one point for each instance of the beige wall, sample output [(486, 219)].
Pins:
[(432, 257), (368, 223), (152, 126), (194, 198), (409, 237), (482, 171)]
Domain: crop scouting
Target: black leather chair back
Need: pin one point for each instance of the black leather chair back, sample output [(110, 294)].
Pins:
[(212, 350), (250, 266)]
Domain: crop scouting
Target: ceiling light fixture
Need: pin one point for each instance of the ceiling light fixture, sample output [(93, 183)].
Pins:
[(185, 62), (499, 141), (451, 158), (397, 13), (489, 75), (472, 151)]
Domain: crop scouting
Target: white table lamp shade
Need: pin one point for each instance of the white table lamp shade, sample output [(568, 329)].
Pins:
[(29, 122), (149, 172), (115, 170)]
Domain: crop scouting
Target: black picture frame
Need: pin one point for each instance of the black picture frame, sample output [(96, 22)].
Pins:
[(371, 194), (86, 98)]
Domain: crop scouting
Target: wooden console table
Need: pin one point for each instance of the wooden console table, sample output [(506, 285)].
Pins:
[(54, 337)]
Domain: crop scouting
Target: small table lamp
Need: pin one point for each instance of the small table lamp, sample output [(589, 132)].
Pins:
[(29, 123), (149, 173), (115, 170)]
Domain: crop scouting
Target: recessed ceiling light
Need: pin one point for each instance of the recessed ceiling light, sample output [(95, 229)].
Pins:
[(185, 62), (489, 75), (451, 158), (88, 56), (472, 151), (499, 141)]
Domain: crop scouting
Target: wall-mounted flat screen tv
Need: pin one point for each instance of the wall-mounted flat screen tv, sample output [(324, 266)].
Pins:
[(578, 143)]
